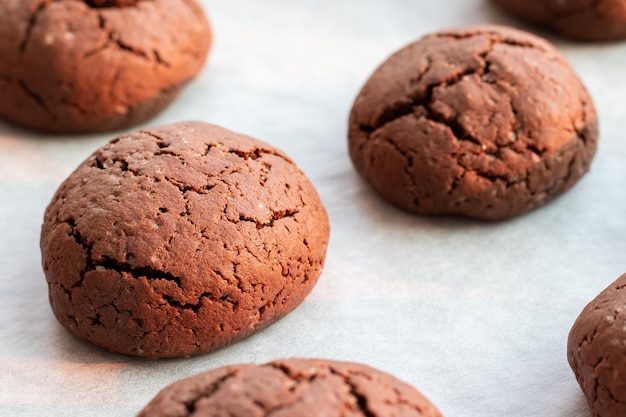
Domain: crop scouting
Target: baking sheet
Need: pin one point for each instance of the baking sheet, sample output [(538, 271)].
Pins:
[(473, 314)]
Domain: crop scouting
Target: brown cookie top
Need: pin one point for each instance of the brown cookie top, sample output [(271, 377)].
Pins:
[(180, 239), (485, 121), (292, 387), (96, 65), (596, 351), (585, 20)]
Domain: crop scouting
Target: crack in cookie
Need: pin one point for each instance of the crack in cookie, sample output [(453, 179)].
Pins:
[(485, 122), (178, 240), (86, 66), (291, 387)]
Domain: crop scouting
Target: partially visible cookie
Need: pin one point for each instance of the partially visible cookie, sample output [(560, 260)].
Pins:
[(584, 20), (96, 65), (486, 122), (292, 387), (596, 351), (178, 240)]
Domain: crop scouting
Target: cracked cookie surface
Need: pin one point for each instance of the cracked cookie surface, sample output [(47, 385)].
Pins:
[(178, 240), (584, 20), (96, 65), (486, 122), (291, 387), (596, 351)]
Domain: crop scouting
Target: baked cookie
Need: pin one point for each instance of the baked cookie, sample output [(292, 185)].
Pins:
[(96, 65), (486, 122), (584, 20), (292, 387), (177, 240), (596, 351)]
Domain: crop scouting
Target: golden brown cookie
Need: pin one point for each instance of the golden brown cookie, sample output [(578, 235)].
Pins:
[(596, 351), (486, 122), (96, 65), (177, 240), (292, 387), (583, 20)]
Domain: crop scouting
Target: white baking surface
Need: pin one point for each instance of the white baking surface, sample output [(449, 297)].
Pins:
[(475, 315)]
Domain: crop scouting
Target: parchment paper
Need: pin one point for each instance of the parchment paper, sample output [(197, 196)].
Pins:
[(473, 314)]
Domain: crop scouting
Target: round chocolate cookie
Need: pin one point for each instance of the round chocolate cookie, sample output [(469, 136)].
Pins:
[(96, 65), (178, 240), (292, 387), (486, 122), (584, 20), (596, 351)]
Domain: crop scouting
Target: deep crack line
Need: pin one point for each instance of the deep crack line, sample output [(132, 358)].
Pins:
[(424, 99), (78, 238), (32, 22), (256, 153), (195, 307), (191, 404), (137, 272), (276, 216), (115, 39), (36, 97), (360, 399), (408, 104)]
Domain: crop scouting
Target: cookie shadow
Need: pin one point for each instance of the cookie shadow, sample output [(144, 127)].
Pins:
[(38, 333), (12, 130), (378, 210), (577, 407)]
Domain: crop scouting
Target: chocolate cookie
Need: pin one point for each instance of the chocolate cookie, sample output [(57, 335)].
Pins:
[(596, 350), (96, 65), (178, 240), (585, 20), (292, 387), (487, 122)]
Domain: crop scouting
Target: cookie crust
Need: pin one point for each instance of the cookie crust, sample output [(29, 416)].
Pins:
[(486, 122), (596, 351), (292, 387), (582, 20), (71, 66), (178, 240)]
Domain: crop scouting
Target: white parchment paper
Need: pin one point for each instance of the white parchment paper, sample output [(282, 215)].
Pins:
[(475, 315)]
